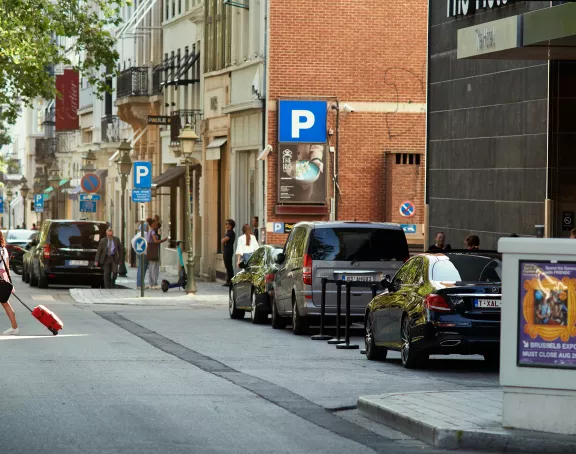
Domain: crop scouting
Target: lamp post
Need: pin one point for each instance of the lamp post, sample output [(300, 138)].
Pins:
[(24, 190), (124, 167), (9, 195), (187, 139), (55, 183)]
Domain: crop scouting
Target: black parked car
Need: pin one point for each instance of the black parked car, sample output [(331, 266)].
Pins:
[(65, 254), (446, 303), (251, 289)]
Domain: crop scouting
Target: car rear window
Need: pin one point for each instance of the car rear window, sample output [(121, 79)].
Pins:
[(463, 268), (359, 244), (80, 235), (19, 235)]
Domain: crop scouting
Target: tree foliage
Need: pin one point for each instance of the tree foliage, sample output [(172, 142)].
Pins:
[(33, 41)]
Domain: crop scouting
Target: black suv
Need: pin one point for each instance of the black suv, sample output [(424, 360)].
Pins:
[(65, 252)]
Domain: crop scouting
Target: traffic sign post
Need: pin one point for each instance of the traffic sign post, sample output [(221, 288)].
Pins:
[(407, 209), (142, 171), (140, 247), (89, 203), (567, 220), (1, 204), (39, 203), (141, 195), (90, 183)]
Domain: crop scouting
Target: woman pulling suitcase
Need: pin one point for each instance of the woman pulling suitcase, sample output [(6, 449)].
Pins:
[(14, 331)]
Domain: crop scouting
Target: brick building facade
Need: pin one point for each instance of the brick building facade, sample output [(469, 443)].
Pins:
[(371, 56)]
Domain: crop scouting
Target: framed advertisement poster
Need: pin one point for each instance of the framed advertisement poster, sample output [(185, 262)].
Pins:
[(547, 324), (302, 173)]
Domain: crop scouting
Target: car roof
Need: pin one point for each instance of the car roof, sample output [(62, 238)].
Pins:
[(74, 221), (445, 255), (344, 224)]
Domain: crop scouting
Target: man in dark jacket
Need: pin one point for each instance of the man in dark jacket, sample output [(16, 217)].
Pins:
[(228, 250), (108, 256)]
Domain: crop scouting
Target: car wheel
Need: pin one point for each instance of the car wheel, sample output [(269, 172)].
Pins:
[(277, 321), (18, 269), (492, 358), (32, 279), (410, 359), (42, 281), (373, 353), (299, 323), (257, 317), (235, 314)]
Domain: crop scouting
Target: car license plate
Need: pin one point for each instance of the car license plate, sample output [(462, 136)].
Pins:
[(358, 278), (488, 303), (78, 262)]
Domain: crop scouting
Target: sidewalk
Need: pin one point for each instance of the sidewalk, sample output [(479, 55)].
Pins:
[(209, 293), (470, 419)]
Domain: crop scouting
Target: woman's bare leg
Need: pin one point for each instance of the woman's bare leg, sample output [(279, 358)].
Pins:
[(11, 315)]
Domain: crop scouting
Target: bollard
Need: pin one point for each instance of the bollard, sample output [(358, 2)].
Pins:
[(347, 345), (322, 336), (338, 340)]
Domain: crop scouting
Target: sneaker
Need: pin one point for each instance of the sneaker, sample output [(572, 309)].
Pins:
[(12, 332)]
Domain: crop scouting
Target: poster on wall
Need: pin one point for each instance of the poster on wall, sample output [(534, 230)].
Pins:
[(302, 173), (67, 103), (547, 325)]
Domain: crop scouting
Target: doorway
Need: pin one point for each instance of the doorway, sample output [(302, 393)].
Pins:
[(246, 187)]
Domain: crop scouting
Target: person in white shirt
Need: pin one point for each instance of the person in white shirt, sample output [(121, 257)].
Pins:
[(246, 245)]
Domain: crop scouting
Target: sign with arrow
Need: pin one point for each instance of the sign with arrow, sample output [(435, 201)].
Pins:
[(140, 245)]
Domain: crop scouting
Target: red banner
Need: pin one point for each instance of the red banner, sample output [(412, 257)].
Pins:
[(67, 104)]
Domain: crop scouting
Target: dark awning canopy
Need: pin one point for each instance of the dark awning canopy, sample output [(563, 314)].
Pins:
[(170, 177)]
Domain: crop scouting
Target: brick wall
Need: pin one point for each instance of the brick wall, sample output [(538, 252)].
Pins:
[(363, 52)]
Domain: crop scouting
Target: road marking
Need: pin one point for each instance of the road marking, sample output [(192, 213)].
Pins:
[(292, 402), (43, 298)]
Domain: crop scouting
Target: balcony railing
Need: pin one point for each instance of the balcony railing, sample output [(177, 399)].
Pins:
[(179, 119), (45, 150), (110, 128), (67, 142), (157, 79), (133, 82)]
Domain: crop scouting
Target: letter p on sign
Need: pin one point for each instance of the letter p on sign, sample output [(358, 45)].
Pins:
[(302, 121), (142, 174)]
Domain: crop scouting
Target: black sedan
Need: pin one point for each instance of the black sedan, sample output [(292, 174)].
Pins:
[(251, 289), (445, 303)]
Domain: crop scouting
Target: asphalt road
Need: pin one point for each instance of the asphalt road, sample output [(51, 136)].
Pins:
[(122, 379)]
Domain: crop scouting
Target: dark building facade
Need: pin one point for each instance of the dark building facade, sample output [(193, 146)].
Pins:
[(501, 141)]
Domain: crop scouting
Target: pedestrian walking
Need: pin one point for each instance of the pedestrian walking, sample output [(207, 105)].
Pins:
[(255, 227), (472, 242), (108, 256), (4, 265), (153, 254), (228, 249), (246, 246), (34, 227), (440, 244)]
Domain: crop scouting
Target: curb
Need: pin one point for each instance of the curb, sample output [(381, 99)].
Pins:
[(507, 440)]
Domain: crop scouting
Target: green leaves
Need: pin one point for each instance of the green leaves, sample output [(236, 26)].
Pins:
[(37, 35)]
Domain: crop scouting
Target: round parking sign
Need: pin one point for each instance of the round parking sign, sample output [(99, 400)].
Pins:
[(407, 209), (90, 183)]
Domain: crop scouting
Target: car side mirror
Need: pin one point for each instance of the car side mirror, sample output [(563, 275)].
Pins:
[(242, 265), (396, 284), (280, 258), (386, 283)]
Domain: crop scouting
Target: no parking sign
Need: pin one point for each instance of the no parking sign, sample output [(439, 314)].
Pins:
[(407, 209)]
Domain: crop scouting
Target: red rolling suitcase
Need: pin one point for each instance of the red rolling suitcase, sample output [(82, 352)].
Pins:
[(44, 315)]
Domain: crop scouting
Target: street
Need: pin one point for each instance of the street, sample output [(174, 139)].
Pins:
[(186, 378)]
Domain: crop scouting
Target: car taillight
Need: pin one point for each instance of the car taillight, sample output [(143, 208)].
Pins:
[(307, 270), (437, 303), (270, 278), (46, 250)]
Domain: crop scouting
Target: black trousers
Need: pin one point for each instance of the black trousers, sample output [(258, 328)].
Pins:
[(110, 266), (229, 267)]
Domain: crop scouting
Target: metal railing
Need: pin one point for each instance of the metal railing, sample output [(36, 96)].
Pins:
[(157, 79), (45, 150), (179, 119), (67, 142), (110, 128), (133, 82)]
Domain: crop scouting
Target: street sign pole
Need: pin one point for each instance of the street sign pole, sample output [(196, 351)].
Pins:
[(142, 270)]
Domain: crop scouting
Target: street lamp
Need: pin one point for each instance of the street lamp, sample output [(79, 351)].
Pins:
[(9, 195), (187, 138), (55, 183), (89, 160), (24, 190), (124, 167)]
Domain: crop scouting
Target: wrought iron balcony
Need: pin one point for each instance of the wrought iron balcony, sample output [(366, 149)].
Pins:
[(133, 82), (157, 78), (110, 128), (179, 119), (45, 150)]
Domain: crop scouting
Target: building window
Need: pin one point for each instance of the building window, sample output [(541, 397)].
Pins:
[(217, 35), (173, 8), (408, 158)]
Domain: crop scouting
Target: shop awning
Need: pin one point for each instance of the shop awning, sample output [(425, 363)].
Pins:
[(217, 143), (170, 176)]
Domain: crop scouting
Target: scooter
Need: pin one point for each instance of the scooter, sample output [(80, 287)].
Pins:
[(165, 285)]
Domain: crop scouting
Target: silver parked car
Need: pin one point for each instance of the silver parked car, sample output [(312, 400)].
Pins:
[(350, 251)]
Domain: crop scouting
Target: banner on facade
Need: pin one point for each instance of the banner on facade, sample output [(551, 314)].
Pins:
[(547, 327), (302, 173), (67, 103)]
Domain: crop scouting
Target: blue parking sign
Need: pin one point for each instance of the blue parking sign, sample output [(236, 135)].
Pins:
[(38, 203), (302, 121), (278, 227), (142, 174)]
